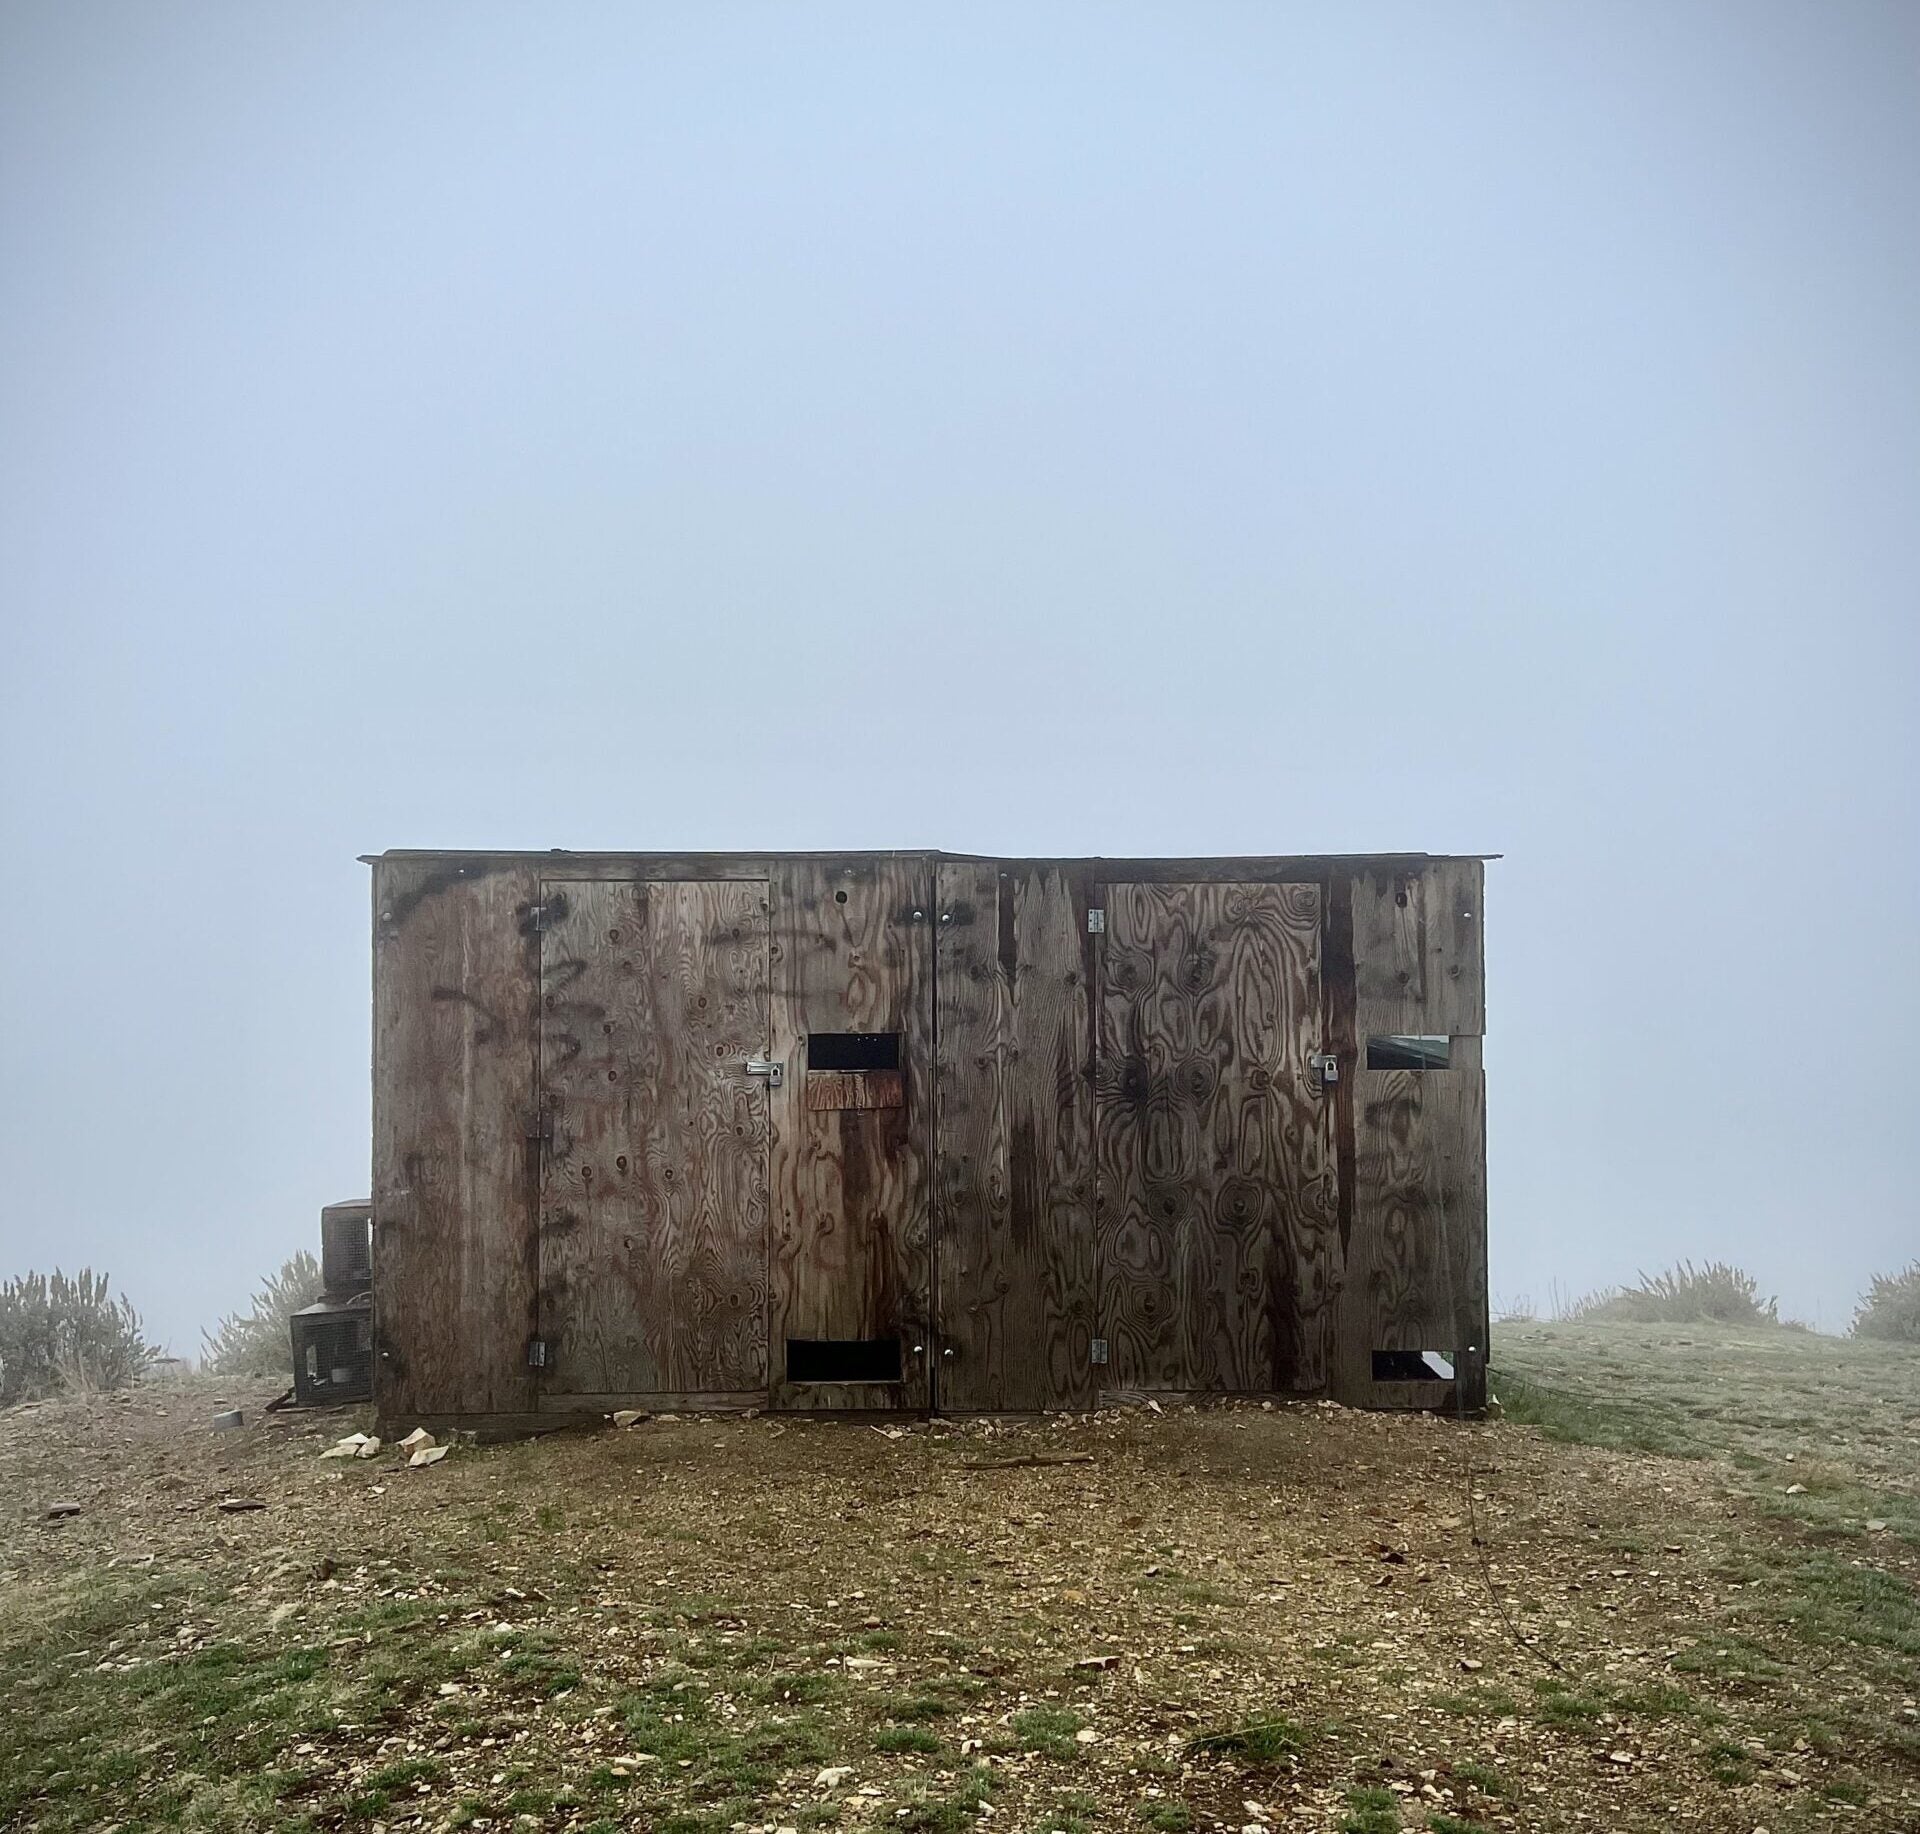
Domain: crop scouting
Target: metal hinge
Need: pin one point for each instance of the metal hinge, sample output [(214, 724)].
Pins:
[(536, 1353), (537, 915), (1098, 1352), (542, 1128), (1096, 921)]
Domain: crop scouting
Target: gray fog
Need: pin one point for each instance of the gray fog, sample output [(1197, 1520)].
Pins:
[(1070, 429)]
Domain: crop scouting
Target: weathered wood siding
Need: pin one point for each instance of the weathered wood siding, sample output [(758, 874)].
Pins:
[(653, 1203), (455, 1039), (1014, 1171), (1215, 1207), (852, 1240), (1417, 1252), (1120, 1140)]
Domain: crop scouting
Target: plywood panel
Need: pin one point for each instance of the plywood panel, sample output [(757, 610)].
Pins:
[(1420, 1210), (1216, 1207), (1418, 953), (653, 1216), (1014, 1177), (455, 983), (851, 1237)]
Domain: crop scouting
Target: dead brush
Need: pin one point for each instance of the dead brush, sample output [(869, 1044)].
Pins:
[(1717, 1293), (67, 1333), (257, 1342), (1890, 1308)]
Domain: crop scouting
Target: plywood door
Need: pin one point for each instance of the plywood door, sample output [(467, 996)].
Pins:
[(852, 1248), (1013, 1179), (1215, 1202), (653, 1192)]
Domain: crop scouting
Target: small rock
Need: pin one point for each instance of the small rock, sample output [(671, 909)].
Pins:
[(831, 1776), (428, 1455), (346, 1448), (55, 1511), (1470, 1665), (1796, 1490), (1096, 1662), (1086, 1736), (239, 1505), (1875, 1524), (227, 1419), (366, 1448), (628, 1416), (415, 1440)]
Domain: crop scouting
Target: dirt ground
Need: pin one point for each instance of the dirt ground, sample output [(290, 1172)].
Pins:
[(1225, 1618)]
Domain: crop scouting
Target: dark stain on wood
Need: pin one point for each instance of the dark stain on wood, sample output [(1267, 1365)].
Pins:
[(1089, 1135)]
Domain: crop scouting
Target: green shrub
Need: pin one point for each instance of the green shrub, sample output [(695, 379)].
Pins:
[(259, 1342), (59, 1332), (1684, 1295), (1890, 1307)]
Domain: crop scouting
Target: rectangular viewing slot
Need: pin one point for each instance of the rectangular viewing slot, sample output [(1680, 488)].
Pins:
[(1409, 1051), (1413, 1365), (853, 1050), (843, 1359)]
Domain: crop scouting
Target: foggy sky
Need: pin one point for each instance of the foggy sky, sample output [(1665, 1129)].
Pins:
[(1057, 429)]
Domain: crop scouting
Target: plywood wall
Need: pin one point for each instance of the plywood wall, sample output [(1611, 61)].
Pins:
[(1417, 1248), (852, 1233), (455, 1044), (957, 1202), (1014, 1169)]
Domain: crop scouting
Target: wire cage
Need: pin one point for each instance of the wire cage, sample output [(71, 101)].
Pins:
[(333, 1352), (346, 1247)]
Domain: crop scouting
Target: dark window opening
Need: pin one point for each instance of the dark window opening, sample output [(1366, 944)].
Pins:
[(853, 1051), (1413, 1365), (843, 1359), (1405, 1051)]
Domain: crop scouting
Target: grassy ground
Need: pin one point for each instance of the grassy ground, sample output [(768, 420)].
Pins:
[(1231, 1618)]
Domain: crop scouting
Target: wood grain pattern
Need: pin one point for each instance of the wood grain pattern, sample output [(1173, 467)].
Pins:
[(1418, 956), (855, 1089), (1216, 1208), (454, 1023), (1014, 1171), (852, 1250), (653, 1212), (1421, 1227)]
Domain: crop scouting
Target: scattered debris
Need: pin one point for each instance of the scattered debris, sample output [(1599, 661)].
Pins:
[(1096, 1662), (831, 1776), (415, 1440), (55, 1511), (428, 1455), (239, 1505), (1019, 1464), (629, 1416), (227, 1419), (351, 1447)]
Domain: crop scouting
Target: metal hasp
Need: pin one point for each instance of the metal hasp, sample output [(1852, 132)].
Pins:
[(774, 1072), (1326, 1066)]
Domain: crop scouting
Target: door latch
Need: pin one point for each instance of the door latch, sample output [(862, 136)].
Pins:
[(773, 1071), (1327, 1067)]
